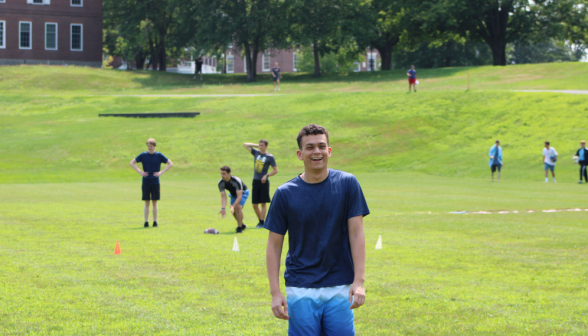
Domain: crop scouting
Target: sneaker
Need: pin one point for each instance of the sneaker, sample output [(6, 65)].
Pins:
[(146, 224), (553, 180), (243, 226), (278, 89), (259, 226), (154, 224), (580, 182), (239, 230)]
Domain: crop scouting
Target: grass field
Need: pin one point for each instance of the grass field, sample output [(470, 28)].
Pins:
[(68, 195)]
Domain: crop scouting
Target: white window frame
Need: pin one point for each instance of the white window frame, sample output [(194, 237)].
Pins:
[(80, 5), (269, 62), (357, 66), (294, 61), (71, 37), (374, 56), (245, 63), (3, 45), (30, 35), (56, 30), (2, 1), (231, 62), (43, 2)]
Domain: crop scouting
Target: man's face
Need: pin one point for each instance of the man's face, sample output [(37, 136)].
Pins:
[(262, 146), (315, 151), (497, 143), (583, 144), (412, 67), (151, 148), (225, 176), (276, 64), (546, 145)]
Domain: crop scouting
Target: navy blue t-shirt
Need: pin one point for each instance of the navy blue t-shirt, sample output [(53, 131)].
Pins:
[(151, 164), (315, 217), (412, 73)]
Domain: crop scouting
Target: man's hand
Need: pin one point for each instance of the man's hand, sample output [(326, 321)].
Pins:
[(264, 179), (492, 157), (356, 295), (279, 301), (157, 174), (144, 174), (223, 213)]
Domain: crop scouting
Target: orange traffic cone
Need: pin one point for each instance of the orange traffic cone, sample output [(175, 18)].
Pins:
[(117, 248)]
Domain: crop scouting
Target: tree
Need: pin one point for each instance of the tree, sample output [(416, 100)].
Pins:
[(323, 25)]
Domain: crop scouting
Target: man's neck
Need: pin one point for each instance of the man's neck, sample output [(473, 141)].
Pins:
[(150, 152), (263, 151), (228, 179), (315, 176)]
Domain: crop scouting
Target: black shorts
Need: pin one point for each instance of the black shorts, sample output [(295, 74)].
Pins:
[(151, 192), (495, 167), (260, 192), (277, 78)]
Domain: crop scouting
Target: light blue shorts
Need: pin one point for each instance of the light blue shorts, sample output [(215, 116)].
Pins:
[(320, 311), (550, 167), (243, 198)]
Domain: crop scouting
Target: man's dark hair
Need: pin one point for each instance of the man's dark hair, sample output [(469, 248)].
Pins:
[(312, 129), (264, 141), (547, 142), (226, 168)]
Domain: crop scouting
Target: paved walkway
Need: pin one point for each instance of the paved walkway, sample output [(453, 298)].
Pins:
[(197, 96), (556, 91)]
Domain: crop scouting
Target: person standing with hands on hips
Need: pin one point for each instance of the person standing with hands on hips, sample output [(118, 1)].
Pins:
[(322, 211), (549, 158)]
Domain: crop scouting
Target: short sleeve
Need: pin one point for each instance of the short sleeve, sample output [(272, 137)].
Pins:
[(162, 158), (356, 204), (277, 217), (555, 152), (254, 151), (139, 158), (221, 186), (273, 162)]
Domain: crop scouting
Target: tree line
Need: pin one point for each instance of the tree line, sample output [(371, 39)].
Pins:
[(429, 33)]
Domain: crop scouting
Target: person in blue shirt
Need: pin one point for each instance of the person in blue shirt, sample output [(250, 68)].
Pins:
[(582, 155), (151, 161), (277, 76), (322, 211), (411, 78), (495, 162)]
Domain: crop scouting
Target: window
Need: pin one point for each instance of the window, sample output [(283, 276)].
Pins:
[(2, 34), (372, 61), (77, 3), (245, 63), (356, 67), (266, 62), (24, 35), (50, 36), (295, 62), (230, 64), (77, 37), (36, 2)]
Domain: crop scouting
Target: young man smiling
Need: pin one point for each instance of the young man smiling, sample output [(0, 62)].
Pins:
[(152, 161), (322, 211)]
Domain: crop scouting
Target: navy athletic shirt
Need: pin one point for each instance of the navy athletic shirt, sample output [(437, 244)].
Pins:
[(412, 73), (276, 72), (151, 164), (315, 217)]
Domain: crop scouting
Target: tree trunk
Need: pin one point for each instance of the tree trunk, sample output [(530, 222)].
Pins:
[(140, 60), (255, 53), (317, 65), (162, 54), (153, 58), (498, 52), (386, 55), (248, 62), (385, 45)]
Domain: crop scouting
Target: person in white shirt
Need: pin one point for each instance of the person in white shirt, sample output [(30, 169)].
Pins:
[(549, 158)]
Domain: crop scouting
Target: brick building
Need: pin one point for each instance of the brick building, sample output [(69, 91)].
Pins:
[(53, 32)]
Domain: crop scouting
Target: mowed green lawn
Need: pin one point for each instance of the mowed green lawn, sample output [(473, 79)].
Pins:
[(67, 195), (437, 274)]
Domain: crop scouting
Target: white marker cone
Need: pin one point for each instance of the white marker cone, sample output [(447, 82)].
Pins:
[(379, 243), (235, 245)]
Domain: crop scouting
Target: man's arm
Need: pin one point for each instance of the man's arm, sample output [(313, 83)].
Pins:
[(272, 173), (357, 242), (223, 204), (134, 165), (167, 167), (273, 259), (249, 145)]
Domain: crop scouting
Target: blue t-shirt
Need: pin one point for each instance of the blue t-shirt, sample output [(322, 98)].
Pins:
[(315, 217), (151, 164), (412, 73)]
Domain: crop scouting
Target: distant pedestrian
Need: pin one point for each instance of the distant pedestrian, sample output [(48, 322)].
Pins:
[(549, 158), (199, 63), (152, 161), (582, 155), (411, 78), (495, 160), (277, 76)]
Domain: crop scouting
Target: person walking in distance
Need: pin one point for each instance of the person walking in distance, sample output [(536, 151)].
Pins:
[(151, 161), (277, 76), (582, 155), (411, 78), (239, 194), (322, 211), (199, 63), (495, 159), (261, 184), (549, 158)]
